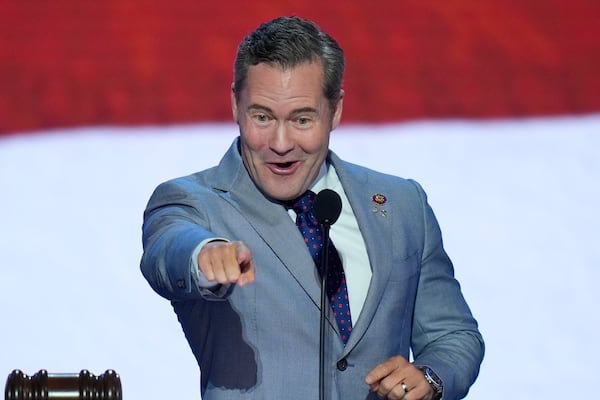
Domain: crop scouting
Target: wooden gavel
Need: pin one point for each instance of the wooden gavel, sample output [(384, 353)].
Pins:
[(45, 386)]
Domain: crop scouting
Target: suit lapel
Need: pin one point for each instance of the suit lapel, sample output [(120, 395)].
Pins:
[(376, 231)]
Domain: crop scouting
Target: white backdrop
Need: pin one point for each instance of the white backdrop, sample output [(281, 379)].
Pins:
[(517, 201)]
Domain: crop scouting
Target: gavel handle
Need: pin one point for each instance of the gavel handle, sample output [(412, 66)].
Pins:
[(45, 386)]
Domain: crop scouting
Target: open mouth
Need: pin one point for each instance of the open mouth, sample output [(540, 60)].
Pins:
[(284, 168)]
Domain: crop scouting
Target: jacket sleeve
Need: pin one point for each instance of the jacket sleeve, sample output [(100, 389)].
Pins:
[(173, 228), (445, 335)]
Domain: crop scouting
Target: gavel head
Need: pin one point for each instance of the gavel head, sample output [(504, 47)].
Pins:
[(45, 386)]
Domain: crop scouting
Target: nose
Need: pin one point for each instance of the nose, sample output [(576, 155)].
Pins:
[(281, 142)]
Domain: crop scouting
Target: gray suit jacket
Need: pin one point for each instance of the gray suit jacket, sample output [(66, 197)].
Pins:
[(262, 341)]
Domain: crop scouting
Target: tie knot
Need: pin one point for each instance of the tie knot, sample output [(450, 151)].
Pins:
[(304, 203)]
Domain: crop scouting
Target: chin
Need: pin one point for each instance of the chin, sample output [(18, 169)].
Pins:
[(281, 196), (282, 190)]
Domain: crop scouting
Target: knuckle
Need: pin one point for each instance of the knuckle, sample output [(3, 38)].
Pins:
[(386, 386), (398, 392)]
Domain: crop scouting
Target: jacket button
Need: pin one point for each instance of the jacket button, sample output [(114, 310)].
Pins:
[(181, 284), (342, 364)]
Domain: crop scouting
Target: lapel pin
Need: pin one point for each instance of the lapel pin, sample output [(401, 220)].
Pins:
[(379, 200)]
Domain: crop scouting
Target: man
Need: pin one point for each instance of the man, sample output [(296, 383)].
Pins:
[(222, 245)]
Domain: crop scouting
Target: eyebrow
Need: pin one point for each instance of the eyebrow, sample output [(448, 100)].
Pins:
[(302, 110), (259, 108)]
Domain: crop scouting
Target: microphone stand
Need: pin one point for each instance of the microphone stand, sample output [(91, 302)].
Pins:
[(327, 208), (324, 266)]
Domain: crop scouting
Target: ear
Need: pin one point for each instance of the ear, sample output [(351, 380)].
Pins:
[(234, 107), (337, 113)]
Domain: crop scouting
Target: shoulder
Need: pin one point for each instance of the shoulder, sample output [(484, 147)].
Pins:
[(196, 182), (365, 178), (220, 178), (190, 192)]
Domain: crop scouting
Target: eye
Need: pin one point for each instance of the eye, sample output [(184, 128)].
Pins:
[(304, 122), (261, 117)]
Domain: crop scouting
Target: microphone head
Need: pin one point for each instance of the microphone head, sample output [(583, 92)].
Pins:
[(327, 207)]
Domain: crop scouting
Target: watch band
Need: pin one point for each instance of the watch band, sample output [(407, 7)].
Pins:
[(434, 381)]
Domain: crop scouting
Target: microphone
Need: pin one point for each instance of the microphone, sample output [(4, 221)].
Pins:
[(327, 207)]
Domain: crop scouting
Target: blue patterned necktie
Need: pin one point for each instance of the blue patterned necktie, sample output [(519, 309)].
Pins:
[(337, 291)]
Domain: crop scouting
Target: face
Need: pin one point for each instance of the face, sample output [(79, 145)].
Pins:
[(285, 122)]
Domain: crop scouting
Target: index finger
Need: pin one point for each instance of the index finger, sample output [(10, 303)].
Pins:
[(379, 372), (384, 369), (246, 263)]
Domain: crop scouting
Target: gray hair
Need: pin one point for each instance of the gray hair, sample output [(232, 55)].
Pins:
[(288, 42)]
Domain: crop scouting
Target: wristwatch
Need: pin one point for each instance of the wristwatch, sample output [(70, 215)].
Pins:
[(436, 383)]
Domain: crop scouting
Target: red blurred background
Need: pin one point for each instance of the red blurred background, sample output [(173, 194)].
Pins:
[(66, 63)]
